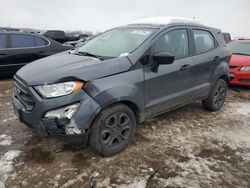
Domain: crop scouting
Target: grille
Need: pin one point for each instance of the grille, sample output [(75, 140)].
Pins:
[(244, 80), (233, 67), (21, 93)]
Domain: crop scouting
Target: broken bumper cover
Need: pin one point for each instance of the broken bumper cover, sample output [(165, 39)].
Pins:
[(45, 127), (78, 140)]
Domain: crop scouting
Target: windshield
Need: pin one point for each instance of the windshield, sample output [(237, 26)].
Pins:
[(242, 48), (116, 42)]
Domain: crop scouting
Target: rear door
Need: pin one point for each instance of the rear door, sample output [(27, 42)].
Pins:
[(205, 55)]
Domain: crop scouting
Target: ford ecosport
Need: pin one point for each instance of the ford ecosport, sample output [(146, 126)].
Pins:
[(97, 93)]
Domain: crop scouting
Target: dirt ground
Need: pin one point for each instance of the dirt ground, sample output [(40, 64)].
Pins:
[(188, 147)]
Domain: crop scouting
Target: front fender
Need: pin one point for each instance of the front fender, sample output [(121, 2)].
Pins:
[(120, 93), (127, 86)]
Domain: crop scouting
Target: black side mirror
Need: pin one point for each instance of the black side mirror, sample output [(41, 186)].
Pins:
[(161, 58)]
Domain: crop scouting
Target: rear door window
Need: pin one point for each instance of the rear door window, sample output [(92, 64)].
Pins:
[(2, 41), (204, 41), (22, 41), (41, 42)]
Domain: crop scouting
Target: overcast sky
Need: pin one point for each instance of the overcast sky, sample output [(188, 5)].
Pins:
[(98, 15)]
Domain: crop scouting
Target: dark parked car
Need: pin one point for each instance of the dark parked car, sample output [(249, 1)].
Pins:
[(98, 93), (56, 35), (59, 36), (17, 49)]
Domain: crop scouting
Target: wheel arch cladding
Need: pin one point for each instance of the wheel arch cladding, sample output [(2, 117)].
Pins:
[(124, 95), (138, 114), (225, 77), (128, 102)]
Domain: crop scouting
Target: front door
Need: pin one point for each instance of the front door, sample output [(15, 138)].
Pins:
[(170, 86)]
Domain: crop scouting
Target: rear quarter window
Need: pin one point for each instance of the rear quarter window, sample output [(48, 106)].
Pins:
[(22, 41), (41, 42), (204, 41), (2, 41)]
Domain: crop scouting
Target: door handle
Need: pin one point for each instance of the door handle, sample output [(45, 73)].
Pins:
[(216, 58), (40, 52), (185, 67), (2, 54)]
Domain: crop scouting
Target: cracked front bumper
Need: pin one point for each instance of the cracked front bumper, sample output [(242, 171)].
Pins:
[(45, 127)]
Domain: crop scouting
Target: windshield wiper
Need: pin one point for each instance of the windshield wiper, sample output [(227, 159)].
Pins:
[(88, 54), (240, 53)]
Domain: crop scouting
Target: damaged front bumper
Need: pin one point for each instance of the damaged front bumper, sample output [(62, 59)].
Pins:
[(43, 115)]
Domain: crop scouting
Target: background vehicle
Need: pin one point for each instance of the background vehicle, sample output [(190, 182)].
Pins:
[(60, 36), (76, 42), (101, 90), (9, 29), (227, 37), (240, 62), (79, 36), (17, 49), (56, 35)]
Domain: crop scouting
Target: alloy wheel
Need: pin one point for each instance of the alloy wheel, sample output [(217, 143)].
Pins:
[(219, 96), (116, 130)]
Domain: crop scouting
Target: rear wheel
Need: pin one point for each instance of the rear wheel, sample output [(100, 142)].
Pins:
[(217, 96), (113, 130)]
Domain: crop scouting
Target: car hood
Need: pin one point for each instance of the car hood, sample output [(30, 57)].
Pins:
[(240, 60), (65, 66)]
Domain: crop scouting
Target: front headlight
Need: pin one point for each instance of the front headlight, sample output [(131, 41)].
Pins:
[(60, 89), (245, 68)]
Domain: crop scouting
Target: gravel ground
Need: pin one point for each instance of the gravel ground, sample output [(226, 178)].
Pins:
[(188, 147)]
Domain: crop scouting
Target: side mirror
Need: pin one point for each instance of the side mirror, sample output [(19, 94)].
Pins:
[(161, 58)]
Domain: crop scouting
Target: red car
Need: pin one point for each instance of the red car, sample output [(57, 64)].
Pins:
[(240, 62)]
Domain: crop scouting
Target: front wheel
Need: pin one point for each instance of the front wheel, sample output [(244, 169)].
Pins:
[(113, 130), (216, 97)]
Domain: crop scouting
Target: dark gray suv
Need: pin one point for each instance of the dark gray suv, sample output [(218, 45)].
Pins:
[(97, 93)]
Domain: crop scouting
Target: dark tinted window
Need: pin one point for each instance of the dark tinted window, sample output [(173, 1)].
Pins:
[(22, 41), (204, 41), (2, 41), (41, 42), (174, 42)]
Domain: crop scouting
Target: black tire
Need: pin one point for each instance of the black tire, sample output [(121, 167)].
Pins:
[(216, 97), (112, 130)]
